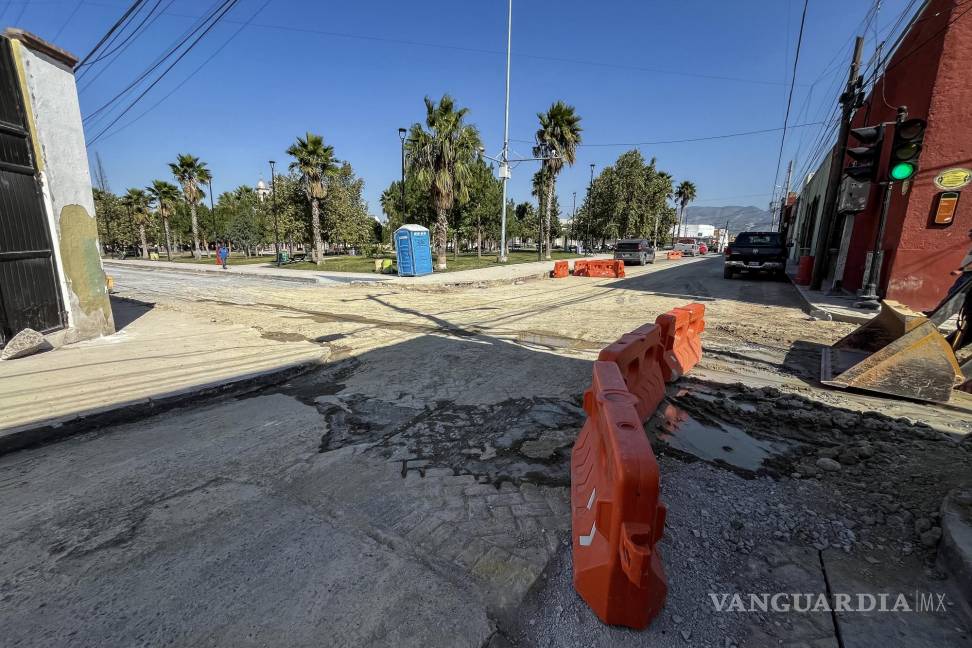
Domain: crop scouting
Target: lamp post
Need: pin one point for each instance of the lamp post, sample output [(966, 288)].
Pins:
[(590, 207), (273, 210), (212, 211), (401, 135), (504, 170), (573, 217)]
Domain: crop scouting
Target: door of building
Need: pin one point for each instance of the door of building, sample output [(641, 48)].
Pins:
[(29, 295)]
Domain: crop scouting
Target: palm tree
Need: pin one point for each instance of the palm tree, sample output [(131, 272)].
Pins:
[(314, 161), (191, 172), (684, 194), (557, 140), (539, 187), (442, 157), (137, 203), (164, 195)]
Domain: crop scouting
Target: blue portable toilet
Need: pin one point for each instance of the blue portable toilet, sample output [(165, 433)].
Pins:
[(414, 250)]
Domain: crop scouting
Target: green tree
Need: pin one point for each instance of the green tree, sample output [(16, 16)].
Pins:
[(314, 161), (164, 195), (136, 201), (684, 194), (557, 140), (241, 218), (191, 172), (108, 214), (348, 222), (441, 157)]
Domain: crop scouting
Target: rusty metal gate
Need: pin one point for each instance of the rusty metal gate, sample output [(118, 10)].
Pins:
[(29, 295)]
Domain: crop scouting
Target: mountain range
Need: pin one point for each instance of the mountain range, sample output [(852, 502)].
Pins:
[(741, 219)]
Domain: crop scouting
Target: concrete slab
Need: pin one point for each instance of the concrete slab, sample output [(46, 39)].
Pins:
[(839, 308), (156, 357)]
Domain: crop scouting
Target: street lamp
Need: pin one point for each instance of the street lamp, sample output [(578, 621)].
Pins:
[(212, 210), (273, 210), (401, 135), (573, 218), (504, 169), (590, 207)]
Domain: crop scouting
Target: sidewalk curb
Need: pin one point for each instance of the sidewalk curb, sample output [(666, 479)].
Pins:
[(56, 429), (210, 273), (812, 310)]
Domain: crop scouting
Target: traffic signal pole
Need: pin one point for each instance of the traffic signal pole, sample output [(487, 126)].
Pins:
[(829, 212)]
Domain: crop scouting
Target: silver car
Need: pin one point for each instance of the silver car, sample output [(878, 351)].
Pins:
[(637, 251)]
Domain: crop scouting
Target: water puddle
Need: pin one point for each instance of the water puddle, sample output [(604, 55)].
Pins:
[(715, 441)]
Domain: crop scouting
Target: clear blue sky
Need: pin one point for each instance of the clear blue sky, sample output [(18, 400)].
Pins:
[(636, 70)]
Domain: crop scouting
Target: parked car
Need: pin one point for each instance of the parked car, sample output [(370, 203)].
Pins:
[(755, 252), (688, 247), (637, 251)]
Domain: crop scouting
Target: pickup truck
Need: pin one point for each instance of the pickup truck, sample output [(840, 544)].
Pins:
[(755, 252)]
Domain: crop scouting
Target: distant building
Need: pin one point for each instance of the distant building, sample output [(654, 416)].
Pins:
[(262, 190), (696, 230)]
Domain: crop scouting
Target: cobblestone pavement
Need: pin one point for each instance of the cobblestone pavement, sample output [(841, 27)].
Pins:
[(413, 491)]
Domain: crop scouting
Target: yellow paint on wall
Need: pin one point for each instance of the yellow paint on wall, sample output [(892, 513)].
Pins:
[(18, 56)]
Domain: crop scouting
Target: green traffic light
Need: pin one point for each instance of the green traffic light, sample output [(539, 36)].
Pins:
[(902, 171)]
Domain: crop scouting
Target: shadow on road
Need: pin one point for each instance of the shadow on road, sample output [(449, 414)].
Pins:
[(126, 311), (703, 281)]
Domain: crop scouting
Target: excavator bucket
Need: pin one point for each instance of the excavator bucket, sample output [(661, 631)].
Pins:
[(899, 352)]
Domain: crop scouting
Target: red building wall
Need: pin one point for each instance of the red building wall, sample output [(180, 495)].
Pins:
[(930, 74)]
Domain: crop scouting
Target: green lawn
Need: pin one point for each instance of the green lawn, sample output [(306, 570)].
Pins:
[(466, 261)]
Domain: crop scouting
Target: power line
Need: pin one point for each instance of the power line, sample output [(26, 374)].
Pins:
[(70, 17), (789, 100), (117, 55), (477, 50), (172, 50), (127, 40), (227, 7), (135, 5), (689, 139), (191, 74)]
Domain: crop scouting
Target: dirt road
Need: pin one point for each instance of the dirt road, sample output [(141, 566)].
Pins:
[(414, 491)]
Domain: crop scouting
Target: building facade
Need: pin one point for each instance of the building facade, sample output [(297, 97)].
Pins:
[(929, 73)]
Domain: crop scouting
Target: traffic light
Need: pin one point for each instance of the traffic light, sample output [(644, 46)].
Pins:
[(905, 149), (867, 156)]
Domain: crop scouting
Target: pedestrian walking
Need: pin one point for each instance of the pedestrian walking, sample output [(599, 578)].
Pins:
[(223, 254)]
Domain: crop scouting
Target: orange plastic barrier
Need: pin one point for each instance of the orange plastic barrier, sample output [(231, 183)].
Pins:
[(674, 254), (805, 271), (681, 332), (617, 516), (599, 268), (638, 355), (560, 270)]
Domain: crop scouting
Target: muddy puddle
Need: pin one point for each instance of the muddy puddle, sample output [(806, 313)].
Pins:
[(714, 441)]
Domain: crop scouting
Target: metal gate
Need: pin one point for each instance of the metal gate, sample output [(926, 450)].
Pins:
[(29, 295)]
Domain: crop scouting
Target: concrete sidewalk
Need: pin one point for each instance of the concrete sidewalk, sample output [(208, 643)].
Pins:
[(156, 359), (479, 276), (839, 308), (264, 271)]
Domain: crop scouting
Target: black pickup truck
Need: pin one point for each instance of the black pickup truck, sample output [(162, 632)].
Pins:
[(756, 252)]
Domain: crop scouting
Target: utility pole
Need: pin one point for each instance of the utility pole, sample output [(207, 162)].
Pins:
[(590, 208), (212, 209), (573, 218), (504, 169), (786, 196), (273, 208), (829, 213)]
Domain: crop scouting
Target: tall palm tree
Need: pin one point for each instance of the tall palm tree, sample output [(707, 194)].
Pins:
[(191, 172), (541, 180), (137, 203), (314, 161), (442, 157), (164, 195), (557, 140), (684, 194)]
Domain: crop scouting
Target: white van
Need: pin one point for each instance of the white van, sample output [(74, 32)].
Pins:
[(688, 247)]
